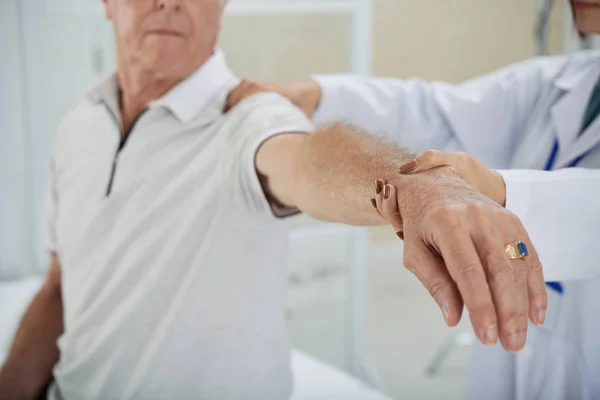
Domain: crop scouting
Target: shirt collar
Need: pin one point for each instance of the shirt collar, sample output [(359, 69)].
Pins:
[(186, 99), (108, 92), (193, 94), (571, 78)]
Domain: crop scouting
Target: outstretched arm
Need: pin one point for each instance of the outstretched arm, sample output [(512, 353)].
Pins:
[(455, 236), (330, 174)]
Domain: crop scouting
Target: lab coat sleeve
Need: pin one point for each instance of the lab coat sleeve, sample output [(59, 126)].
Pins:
[(483, 117), (406, 111), (560, 211)]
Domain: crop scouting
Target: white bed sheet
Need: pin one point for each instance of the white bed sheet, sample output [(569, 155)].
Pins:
[(314, 380)]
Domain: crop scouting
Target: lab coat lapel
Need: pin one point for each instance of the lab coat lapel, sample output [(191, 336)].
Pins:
[(567, 114), (589, 140)]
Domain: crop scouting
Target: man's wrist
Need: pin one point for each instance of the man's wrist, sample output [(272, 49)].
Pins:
[(500, 197), (413, 188)]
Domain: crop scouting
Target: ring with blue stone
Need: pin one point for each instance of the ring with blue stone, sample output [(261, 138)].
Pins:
[(516, 250)]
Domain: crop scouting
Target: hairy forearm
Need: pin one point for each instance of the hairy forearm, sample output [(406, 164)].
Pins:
[(34, 352), (336, 172)]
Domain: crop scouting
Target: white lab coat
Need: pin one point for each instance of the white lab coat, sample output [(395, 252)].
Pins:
[(509, 120)]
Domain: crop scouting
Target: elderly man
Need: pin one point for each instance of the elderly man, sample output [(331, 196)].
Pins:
[(167, 277)]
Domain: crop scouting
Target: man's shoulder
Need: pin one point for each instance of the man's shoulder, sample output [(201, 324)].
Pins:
[(265, 102), (78, 114), (269, 110), (76, 119)]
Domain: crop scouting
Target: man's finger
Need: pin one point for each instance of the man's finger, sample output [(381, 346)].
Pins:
[(465, 268), (538, 296), (429, 268), (508, 284), (520, 278)]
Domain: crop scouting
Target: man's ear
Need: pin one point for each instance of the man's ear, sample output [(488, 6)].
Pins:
[(108, 12)]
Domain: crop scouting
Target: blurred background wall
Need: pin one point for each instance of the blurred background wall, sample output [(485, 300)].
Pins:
[(445, 40), (14, 219)]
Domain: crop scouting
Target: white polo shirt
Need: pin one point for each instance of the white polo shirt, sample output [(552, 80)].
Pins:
[(174, 269)]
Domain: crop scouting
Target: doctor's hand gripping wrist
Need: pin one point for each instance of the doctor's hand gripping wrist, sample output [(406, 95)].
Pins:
[(487, 182), (454, 243)]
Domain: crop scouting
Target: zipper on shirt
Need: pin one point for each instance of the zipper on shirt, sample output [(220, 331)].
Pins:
[(123, 141)]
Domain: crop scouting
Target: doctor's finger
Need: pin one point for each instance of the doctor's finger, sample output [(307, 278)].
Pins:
[(243, 90), (390, 211), (247, 89), (508, 286), (429, 268), (465, 268), (380, 189), (235, 95)]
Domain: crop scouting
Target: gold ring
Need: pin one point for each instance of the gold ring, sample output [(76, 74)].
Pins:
[(516, 251)]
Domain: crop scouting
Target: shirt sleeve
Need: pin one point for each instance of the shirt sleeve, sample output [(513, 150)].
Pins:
[(51, 213), (482, 117), (559, 209), (259, 118)]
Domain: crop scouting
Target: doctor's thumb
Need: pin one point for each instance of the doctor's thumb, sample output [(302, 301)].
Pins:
[(430, 159)]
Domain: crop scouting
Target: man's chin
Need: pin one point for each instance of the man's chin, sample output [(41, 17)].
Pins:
[(166, 65)]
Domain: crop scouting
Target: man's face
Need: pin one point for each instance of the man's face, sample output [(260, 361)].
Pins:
[(587, 16), (169, 37)]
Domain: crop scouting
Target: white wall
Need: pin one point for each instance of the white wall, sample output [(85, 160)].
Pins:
[(46, 77), (12, 215)]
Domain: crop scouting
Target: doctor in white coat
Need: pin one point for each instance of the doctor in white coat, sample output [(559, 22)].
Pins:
[(537, 123)]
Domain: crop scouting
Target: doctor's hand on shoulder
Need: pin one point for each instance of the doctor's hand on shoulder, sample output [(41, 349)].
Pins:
[(305, 94)]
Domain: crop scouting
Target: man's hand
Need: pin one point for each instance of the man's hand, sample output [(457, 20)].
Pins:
[(487, 182), (306, 95), (454, 244)]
